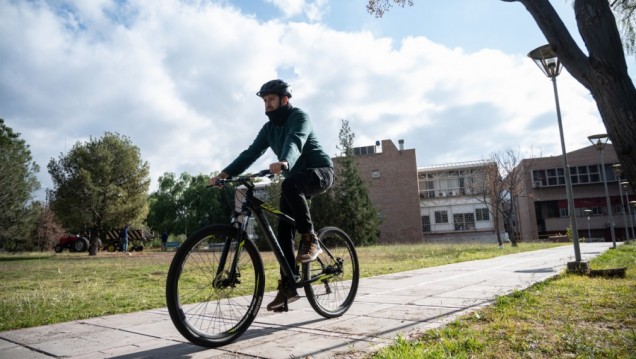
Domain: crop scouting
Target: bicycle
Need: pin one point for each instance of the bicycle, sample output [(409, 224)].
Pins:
[(216, 281)]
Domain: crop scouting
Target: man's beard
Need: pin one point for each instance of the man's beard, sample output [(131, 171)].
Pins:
[(279, 116)]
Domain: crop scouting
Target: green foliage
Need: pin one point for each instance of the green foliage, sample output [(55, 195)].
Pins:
[(568, 233), (347, 204), (100, 184), (17, 183), (184, 204)]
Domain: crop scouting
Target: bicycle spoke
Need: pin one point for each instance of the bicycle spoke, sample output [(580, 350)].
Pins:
[(334, 275), (206, 304)]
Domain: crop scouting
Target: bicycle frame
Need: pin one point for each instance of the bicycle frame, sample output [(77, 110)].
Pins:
[(254, 206)]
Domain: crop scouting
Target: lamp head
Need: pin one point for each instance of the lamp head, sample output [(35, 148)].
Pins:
[(599, 141), (547, 60)]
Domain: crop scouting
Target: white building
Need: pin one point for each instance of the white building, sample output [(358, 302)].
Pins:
[(449, 205)]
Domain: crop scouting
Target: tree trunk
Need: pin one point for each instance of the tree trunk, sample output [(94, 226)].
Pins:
[(94, 242), (603, 72), (496, 223), (515, 235)]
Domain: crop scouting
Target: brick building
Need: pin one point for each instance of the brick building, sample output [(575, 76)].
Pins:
[(391, 175), (542, 208)]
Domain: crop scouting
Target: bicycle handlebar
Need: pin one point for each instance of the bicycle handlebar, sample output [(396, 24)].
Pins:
[(243, 179)]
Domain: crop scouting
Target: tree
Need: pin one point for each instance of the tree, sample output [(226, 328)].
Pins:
[(347, 204), (513, 174), (47, 231), (182, 205), (164, 204), (17, 184), (100, 185), (488, 187), (498, 184), (603, 71)]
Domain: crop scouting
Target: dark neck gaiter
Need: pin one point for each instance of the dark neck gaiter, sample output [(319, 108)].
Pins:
[(279, 116)]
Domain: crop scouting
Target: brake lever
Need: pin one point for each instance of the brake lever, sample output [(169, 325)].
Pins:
[(264, 173), (218, 183)]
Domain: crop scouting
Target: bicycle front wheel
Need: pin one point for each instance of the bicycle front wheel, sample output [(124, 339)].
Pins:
[(333, 277), (212, 305)]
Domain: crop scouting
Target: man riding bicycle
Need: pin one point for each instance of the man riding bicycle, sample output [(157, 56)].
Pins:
[(290, 135)]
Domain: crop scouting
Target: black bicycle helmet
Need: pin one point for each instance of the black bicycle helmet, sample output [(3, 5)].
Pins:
[(278, 87)]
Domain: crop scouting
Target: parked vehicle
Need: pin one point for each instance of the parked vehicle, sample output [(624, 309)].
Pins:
[(74, 243), (136, 240)]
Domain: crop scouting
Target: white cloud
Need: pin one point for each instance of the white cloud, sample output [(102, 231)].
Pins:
[(180, 79)]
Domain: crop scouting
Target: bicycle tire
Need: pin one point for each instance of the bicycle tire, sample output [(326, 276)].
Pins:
[(205, 312), (334, 294)]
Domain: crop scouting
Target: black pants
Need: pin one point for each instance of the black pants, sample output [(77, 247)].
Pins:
[(295, 191)]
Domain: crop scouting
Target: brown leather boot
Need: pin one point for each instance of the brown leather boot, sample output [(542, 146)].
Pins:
[(279, 300), (309, 248)]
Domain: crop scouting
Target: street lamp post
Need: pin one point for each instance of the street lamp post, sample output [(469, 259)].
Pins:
[(601, 141), (588, 212), (547, 60), (629, 211), (618, 171)]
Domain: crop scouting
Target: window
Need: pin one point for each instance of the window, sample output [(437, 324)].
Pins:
[(563, 212), (426, 223), (464, 221), (366, 150), (482, 214), (595, 174), (441, 217), (539, 178), (555, 177), (578, 174), (598, 211)]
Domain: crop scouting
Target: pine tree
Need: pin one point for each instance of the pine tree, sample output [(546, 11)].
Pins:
[(347, 204), (17, 184), (102, 184)]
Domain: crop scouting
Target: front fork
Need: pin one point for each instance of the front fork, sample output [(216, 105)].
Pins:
[(233, 275)]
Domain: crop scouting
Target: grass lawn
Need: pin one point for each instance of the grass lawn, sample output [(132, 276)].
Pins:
[(46, 288), (569, 316)]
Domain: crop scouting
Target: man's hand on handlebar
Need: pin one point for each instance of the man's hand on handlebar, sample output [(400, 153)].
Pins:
[(278, 167), (213, 181)]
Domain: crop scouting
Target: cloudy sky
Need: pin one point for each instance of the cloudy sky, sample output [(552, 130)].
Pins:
[(451, 78)]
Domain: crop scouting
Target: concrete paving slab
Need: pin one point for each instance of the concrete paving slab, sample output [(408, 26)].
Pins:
[(4, 344), (364, 308), (76, 345), (299, 345), (123, 321), (415, 313), (404, 304), (448, 302), (17, 351)]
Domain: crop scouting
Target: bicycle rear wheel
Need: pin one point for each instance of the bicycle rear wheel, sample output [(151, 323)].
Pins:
[(207, 305), (334, 275)]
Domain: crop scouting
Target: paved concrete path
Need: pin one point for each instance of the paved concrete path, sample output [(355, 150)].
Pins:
[(401, 303)]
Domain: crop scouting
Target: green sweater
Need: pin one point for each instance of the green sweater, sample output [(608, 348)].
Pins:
[(294, 142)]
